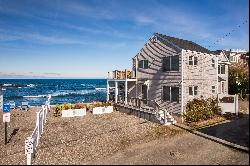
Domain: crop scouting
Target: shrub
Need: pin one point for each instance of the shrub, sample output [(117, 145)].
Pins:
[(57, 111), (201, 109)]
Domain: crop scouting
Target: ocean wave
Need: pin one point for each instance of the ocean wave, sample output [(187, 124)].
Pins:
[(72, 93), (31, 85), (38, 96), (100, 88)]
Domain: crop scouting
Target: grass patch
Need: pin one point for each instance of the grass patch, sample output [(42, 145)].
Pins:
[(166, 131), (207, 123)]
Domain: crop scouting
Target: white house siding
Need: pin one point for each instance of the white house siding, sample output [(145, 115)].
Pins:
[(203, 75), (154, 51)]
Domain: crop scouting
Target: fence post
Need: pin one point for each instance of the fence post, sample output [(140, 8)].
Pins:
[(236, 105), (29, 149), (38, 126)]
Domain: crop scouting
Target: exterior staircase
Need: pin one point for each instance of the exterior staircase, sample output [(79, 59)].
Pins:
[(153, 113)]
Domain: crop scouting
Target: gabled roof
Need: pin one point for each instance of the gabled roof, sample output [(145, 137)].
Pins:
[(184, 44)]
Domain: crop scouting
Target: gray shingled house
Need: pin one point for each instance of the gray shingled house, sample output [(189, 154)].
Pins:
[(173, 71)]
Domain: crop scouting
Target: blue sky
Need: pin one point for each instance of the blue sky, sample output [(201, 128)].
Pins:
[(88, 38)]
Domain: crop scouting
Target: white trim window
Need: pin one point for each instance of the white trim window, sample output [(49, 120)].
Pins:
[(192, 60), (221, 69), (213, 89), (193, 90)]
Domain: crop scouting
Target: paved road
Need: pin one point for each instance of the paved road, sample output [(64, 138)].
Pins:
[(189, 148)]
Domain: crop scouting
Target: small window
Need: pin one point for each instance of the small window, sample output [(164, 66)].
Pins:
[(221, 69), (190, 60), (193, 90), (193, 60), (213, 89), (213, 63), (143, 64)]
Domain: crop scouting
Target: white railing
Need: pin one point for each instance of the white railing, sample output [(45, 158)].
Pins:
[(31, 142)]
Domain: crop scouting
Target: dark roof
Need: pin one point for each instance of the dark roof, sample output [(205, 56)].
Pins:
[(185, 44)]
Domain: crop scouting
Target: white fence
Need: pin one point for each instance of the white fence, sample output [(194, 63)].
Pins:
[(228, 103), (31, 142)]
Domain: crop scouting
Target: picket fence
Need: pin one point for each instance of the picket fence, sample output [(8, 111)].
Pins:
[(31, 142)]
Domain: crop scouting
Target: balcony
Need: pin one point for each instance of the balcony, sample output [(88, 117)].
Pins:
[(121, 75)]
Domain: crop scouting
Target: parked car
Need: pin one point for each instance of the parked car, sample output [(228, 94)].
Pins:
[(12, 105)]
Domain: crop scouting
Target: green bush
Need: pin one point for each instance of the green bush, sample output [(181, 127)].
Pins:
[(201, 109)]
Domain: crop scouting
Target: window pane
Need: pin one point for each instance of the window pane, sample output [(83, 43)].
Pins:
[(166, 93), (191, 90), (166, 63), (222, 69), (195, 90), (190, 60), (195, 60), (175, 63), (145, 64), (218, 69), (175, 94), (213, 89), (141, 64)]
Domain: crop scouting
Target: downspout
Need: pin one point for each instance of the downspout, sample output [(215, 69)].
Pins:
[(182, 111), (217, 64)]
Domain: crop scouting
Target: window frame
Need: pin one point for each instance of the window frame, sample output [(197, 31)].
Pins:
[(170, 94), (194, 92), (213, 89), (141, 64), (165, 69), (220, 67), (192, 60)]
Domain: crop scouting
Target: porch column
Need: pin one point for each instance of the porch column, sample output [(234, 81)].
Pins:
[(126, 92), (107, 90), (116, 91)]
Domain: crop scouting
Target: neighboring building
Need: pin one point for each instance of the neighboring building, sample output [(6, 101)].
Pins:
[(234, 55), (173, 71)]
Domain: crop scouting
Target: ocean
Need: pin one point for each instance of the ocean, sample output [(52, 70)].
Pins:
[(34, 91)]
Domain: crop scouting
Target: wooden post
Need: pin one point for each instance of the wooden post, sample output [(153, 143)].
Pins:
[(107, 90), (116, 91), (5, 133), (126, 92)]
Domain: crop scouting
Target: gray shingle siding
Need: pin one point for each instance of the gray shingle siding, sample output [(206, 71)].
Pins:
[(204, 75)]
